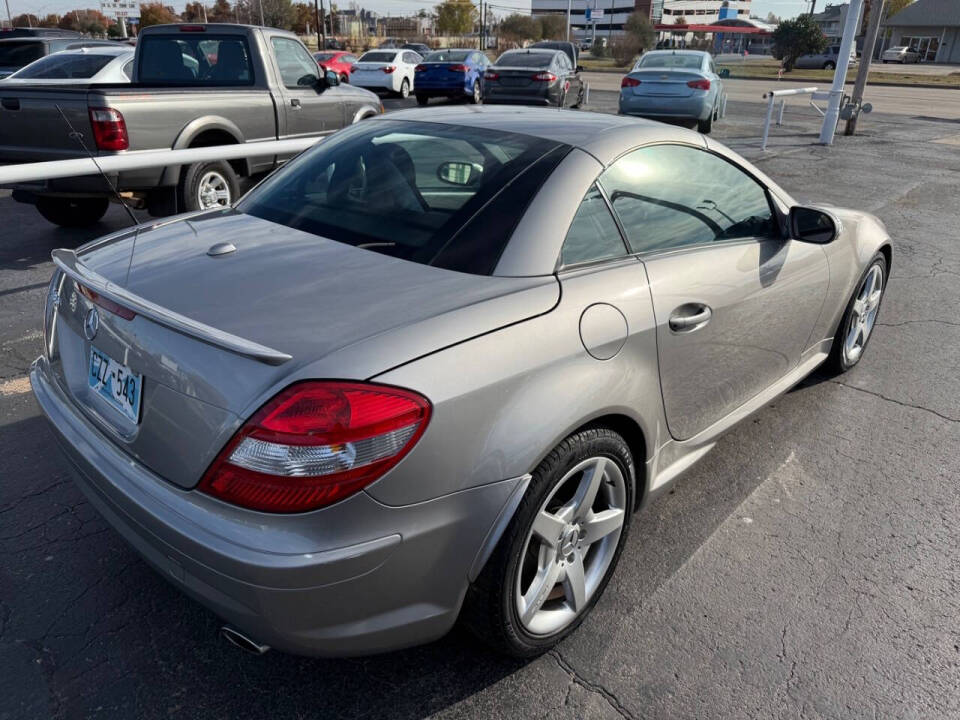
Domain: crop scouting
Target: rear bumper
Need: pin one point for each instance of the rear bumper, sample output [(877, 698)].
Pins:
[(437, 90), (503, 97), (356, 578), (371, 82), (695, 107)]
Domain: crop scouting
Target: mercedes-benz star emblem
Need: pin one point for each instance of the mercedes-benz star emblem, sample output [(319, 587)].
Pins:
[(91, 324)]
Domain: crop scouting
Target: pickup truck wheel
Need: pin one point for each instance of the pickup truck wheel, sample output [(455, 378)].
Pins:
[(72, 212), (206, 186)]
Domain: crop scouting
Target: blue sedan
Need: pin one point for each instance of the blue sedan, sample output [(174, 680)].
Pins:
[(674, 85), (451, 73)]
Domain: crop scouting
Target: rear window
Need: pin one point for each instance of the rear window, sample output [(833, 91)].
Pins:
[(64, 67), (323, 57), (418, 191), (681, 62), (378, 57), (18, 54), (195, 59), (525, 59), (448, 56)]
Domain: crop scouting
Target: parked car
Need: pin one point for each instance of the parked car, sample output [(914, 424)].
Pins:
[(341, 62), (673, 85), (569, 48), (586, 43), (900, 54), (19, 51), (451, 73), (419, 48), (533, 77), (827, 60), (532, 322), (193, 85), (332, 43), (85, 65), (390, 70)]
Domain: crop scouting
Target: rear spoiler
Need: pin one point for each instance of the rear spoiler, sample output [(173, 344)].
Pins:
[(67, 261)]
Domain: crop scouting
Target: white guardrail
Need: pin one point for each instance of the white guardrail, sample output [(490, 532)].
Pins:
[(140, 159), (771, 98)]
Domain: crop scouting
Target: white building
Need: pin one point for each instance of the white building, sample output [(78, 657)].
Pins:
[(704, 12), (610, 15)]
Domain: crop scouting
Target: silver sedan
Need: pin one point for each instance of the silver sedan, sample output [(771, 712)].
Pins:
[(900, 54), (430, 369), (84, 65)]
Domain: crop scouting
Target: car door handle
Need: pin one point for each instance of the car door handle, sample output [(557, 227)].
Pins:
[(690, 317), (295, 103)]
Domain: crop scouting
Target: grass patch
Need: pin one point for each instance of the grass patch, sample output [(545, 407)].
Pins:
[(767, 70)]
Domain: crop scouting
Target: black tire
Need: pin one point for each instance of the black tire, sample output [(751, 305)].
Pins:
[(489, 609), (344, 78), (579, 103), (705, 126), (404, 89), (476, 97), (191, 178), (422, 100), (829, 66), (72, 212), (837, 363)]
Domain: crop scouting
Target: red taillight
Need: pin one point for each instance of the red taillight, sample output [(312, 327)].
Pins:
[(491, 75), (109, 129), (388, 69), (702, 84), (457, 68), (315, 443), (544, 77), (106, 303), (420, 68), (629, 82)]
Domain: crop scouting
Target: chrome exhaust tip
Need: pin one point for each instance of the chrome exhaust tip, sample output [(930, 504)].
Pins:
[(238, 639)]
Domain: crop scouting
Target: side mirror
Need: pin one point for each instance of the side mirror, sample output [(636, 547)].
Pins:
[(464, 174), (811, 225), (331, 78)]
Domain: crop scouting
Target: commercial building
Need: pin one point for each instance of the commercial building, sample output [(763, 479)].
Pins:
[(609, 16), (930, 26), (831, 21)]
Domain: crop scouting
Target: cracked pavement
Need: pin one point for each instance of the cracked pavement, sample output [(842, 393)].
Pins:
[(806, 568)]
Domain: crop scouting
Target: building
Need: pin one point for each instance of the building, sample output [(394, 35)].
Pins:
[(930, 26), (609, 16), (832, 21)]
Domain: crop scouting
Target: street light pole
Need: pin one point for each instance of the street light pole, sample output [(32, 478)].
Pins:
[(869, 42), (569, 9), (9, 18), (316, 12), (323, 26), (261, 14), (832, 115)]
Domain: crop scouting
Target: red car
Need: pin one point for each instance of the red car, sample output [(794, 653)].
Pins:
[(339, 61)]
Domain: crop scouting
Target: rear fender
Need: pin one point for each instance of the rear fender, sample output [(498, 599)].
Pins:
[(191, 131)]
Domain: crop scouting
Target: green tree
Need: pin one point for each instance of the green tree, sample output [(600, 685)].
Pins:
[(895, 6), (455, 17), (638, 26), (553, 27), (278, 14), (795, 37), (193, 12), (303, 16), (50, 21), (518, 28), (156, 13), (221, 12), (26, 20)]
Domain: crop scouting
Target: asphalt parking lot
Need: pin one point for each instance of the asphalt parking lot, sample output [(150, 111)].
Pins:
[(806, 568)]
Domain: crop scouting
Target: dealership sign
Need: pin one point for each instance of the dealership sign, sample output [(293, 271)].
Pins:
[(120, 9)]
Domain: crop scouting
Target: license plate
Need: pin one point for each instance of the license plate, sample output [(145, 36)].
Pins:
[(115, 383)]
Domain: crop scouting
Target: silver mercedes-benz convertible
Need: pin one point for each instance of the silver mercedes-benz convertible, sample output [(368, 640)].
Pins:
[(430, 368)]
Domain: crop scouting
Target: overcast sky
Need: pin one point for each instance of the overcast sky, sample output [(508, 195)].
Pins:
[(784, 8)]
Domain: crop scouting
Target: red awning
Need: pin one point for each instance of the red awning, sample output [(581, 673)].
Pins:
[(730, 29)]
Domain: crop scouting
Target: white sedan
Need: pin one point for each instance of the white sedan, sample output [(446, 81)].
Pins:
[(94, 64), (383, 69)]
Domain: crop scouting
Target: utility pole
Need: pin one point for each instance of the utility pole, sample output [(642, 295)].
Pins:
[(869, 42), (832, 116), (323, 26), (316, 11), (204, 14), (569, 9), (261, 14), (813, 7), (9, 18)]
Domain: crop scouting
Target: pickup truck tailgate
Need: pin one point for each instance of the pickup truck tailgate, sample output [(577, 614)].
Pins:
[(32, 128)]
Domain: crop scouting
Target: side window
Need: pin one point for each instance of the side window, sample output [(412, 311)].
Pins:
[(297, 66), (127, 69), (669, 196), (349, 59), (593, 234)]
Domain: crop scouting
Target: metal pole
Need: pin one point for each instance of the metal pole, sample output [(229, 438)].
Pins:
[(123, 26), (205, 21), (9, 18), (316, 11), (832, 116), (261, 14), (569, 8), (783, 106), (766, 123), (869, 42), (323, 26)]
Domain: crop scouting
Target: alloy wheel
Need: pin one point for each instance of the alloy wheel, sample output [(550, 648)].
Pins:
[(570, 545), (864, 315), (213, 191)]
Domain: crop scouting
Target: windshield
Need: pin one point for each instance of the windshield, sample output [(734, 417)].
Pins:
[(525, 59), (18, 54), (65, 66), (665, 60), (378, 57), (406, 189), (188, 59), (448, 56)]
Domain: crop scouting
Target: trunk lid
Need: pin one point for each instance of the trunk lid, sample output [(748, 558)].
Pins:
[(664, 82), (338, 311), (518, 77), (33, 130)]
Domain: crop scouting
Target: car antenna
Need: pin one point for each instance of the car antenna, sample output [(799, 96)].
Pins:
[(74, 134)]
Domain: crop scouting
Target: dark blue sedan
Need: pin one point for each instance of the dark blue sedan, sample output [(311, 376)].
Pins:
[(451, 73)]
